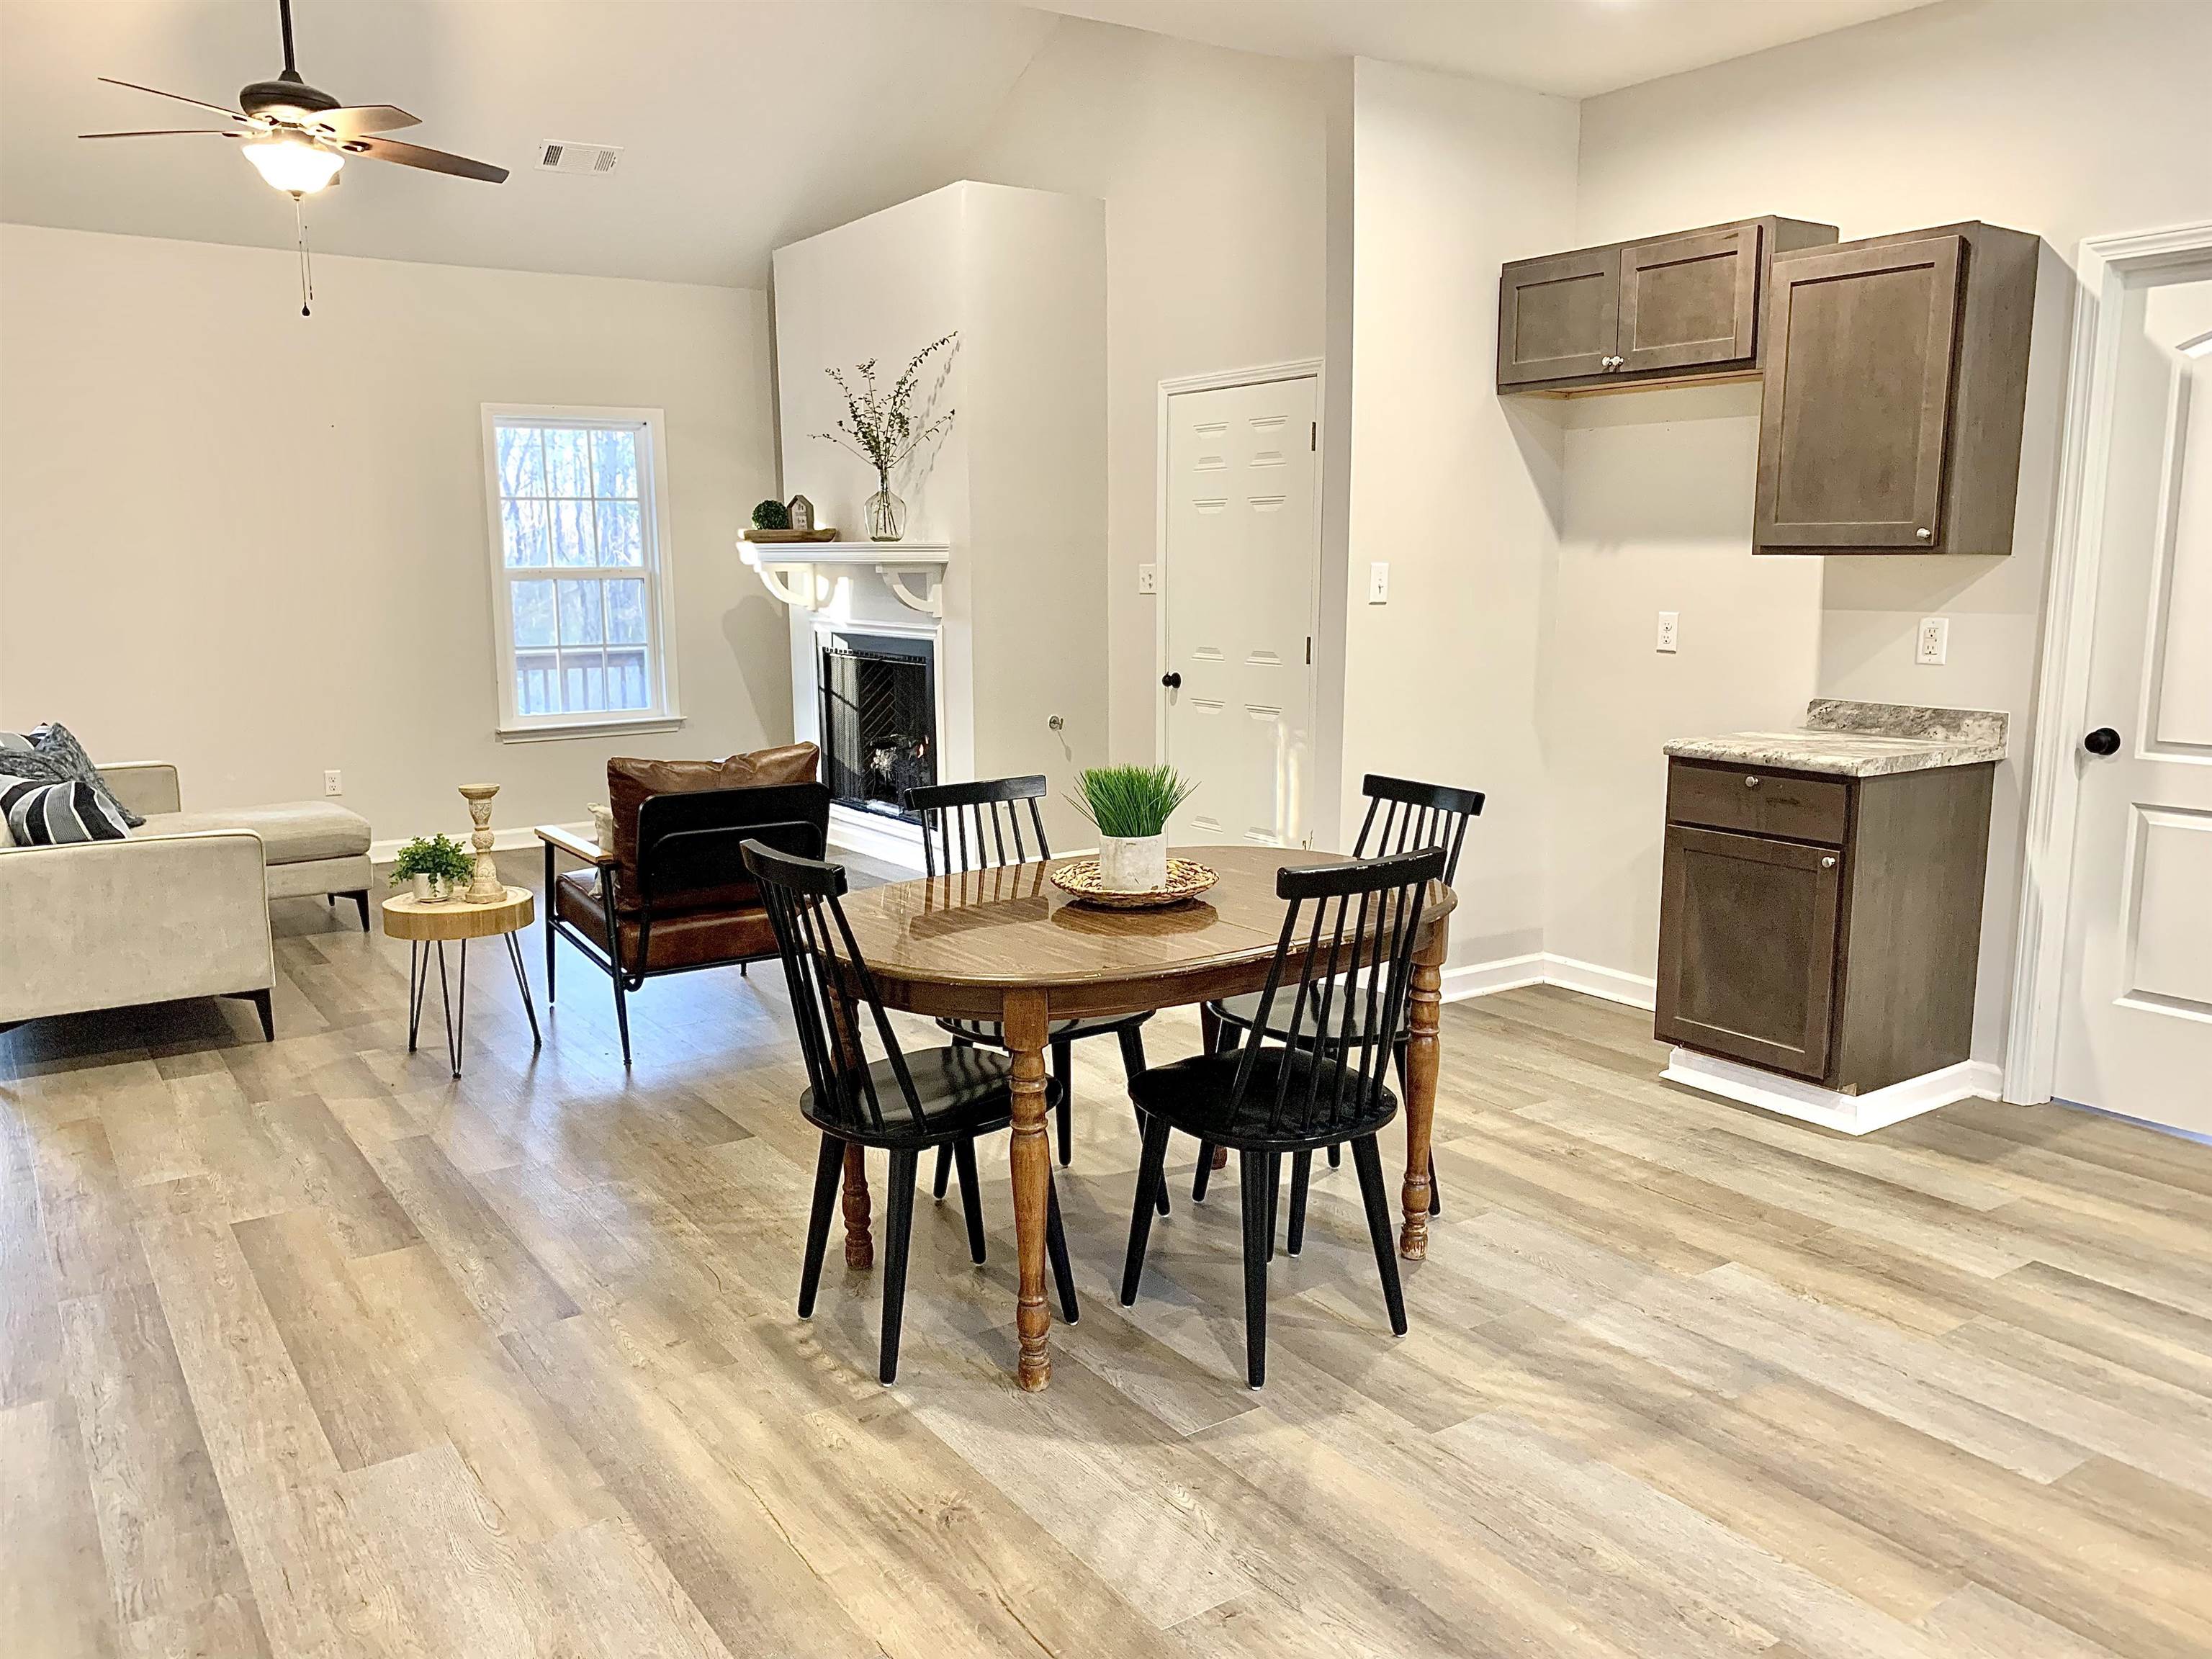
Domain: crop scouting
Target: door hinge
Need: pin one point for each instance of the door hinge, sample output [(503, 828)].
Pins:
[(1310, 651), (1313, 434)]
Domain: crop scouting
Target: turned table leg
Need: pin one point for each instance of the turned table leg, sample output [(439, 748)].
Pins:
[(1025, 1029), (860, 1245), (1422, 1019)]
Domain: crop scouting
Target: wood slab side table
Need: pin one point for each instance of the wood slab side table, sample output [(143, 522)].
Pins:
[(426, 927)]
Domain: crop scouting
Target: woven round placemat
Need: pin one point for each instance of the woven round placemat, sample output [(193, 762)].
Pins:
[(1080, 880)]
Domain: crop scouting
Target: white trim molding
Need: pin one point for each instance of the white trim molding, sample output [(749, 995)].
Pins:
[(876, 836), (1482, 978), (2103, 268), (1851, 1115)]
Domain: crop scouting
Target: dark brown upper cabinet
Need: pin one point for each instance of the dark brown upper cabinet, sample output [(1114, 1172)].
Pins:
[(1666, 309), (1896, 384)]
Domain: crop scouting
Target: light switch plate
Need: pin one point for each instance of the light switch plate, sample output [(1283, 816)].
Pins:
[(1379, 583), (1935, 641), (1669, 630), (1148, 579)]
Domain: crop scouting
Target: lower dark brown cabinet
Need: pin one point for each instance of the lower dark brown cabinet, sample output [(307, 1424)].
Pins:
[(1828, 927)]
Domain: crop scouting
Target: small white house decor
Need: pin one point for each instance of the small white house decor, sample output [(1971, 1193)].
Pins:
[(1131, 806), (879, 425), (798, 514)]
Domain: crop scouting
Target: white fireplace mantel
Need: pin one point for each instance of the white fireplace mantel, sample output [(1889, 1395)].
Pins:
[(794, 571)]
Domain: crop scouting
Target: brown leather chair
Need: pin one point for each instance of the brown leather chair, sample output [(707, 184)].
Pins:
[(674, 894)]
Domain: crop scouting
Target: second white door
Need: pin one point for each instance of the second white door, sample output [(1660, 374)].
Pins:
[(1239, 563), (2134, 1026)]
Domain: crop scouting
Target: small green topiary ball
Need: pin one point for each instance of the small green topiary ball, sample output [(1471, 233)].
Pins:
[(771, 515)]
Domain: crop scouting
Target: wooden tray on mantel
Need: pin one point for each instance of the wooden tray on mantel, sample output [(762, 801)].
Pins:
[(754, 534)]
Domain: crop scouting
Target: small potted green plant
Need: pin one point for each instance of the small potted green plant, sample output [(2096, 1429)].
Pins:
[(437, 866), (1130, 806)]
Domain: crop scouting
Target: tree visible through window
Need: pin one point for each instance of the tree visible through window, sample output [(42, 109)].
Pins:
[(580, 567)]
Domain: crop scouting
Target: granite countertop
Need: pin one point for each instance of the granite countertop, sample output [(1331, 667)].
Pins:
[(1862, 740)]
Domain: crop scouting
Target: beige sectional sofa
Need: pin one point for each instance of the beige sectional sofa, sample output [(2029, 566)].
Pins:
[(178, 910)]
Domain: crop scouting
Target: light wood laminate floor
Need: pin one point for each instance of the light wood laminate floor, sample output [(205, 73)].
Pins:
[(309, 1349)]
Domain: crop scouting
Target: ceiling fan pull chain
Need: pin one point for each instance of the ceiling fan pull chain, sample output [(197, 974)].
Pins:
[(307, 259)]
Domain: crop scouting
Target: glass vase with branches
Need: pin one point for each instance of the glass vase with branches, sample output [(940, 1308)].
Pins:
[(880, 427)]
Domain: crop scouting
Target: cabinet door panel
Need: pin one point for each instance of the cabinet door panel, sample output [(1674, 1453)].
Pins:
[(1557, 317), (1747, 948), (1854, 421), (1689, 300)]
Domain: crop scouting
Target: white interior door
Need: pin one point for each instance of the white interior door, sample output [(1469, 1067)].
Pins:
[(2134, 1031), (1241, 543)]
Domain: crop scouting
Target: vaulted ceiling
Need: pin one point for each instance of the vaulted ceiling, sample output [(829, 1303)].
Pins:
[(744, 124)]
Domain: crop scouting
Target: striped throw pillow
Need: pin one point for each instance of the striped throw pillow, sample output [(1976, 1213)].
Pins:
[(55, 814)]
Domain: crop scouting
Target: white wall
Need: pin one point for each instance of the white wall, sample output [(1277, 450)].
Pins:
[(1457, 490), (2068, 121), (1018, 483), (254, 543), (1212, 167)]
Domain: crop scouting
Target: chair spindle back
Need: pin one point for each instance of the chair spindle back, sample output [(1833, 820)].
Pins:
[(830, 985), (1414, 816), (1345, 961), (972, 826)]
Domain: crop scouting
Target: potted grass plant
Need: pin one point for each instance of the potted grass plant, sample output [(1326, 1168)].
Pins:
[(1130, 806), (437, 867)]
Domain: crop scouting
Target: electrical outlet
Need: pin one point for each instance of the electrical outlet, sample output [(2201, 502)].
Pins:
[(1669, 630), (1934, 641), (1379, 583), (332, 784), (1148, 579)]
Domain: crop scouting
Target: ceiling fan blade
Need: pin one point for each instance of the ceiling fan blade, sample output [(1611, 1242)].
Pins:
[(219, 109), (353, 121), (435, 161), (167, 132)]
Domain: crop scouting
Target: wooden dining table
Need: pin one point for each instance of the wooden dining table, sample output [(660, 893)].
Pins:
[(1006, 945)]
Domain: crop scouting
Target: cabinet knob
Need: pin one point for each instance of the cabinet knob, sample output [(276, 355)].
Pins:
[(1751, 783), (1924, 535), (1829, 863)]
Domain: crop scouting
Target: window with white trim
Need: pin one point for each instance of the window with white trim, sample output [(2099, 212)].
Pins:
[(582, 603)]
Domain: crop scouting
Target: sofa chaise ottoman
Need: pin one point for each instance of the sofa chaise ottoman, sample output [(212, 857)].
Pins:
[(179, 908)]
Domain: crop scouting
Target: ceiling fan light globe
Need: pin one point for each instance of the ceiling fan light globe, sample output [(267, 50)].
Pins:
[(293, 165)]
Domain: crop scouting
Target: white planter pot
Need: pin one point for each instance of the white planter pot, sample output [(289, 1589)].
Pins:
[(422, 886), (1134, 864)]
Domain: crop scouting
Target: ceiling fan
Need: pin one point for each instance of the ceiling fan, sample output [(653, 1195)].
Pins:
[(298, 137)]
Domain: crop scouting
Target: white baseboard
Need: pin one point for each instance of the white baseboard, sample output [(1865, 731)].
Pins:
[(1854, 1114), (887, 841), (502, 841), (1481, 979)]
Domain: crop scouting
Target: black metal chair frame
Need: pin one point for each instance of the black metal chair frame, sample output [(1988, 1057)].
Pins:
[(1414, 815), (830, 983), (685, 844), (968, 826), (1347, 947)]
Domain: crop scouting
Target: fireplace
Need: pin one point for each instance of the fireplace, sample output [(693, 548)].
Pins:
[(878, 718)]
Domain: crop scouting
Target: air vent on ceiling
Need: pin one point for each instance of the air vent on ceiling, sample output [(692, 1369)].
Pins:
[(596, 159)]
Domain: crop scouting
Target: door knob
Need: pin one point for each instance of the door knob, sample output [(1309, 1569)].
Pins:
[(1173, 682), (2102, 741)]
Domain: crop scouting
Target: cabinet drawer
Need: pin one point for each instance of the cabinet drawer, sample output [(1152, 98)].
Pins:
[(1758, 803)]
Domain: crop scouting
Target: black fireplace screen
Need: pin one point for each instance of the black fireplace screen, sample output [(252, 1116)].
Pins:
[(878, 720)]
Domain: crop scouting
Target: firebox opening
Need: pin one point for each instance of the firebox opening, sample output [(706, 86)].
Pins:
[(879, 719)]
